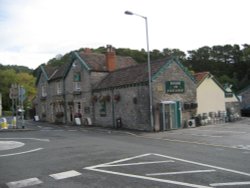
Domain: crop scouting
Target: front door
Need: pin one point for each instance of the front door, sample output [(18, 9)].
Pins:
[(170, 115)]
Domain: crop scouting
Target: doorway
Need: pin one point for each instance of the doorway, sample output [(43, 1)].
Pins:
[(170, 115)]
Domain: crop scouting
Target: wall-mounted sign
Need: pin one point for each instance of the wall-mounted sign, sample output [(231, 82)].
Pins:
[(175, 86)]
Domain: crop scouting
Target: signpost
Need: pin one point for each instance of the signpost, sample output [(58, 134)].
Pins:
[(17, 95)]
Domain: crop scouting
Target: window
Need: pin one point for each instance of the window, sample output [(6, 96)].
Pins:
[(59, 88), (44, 90), (77, 86), (77, 77)]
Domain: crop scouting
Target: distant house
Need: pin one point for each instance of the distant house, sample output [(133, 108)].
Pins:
[(212, 97), (112, 91), (244, 95)]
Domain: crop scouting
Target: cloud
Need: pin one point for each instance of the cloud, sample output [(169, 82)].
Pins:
[(33, 30)]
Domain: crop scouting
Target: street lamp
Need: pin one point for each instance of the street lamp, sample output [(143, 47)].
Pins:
[(149, 70)]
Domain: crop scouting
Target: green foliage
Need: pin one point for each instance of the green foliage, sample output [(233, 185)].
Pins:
[(10, 76)]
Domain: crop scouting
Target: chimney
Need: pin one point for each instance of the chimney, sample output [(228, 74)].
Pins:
[(110, 58), (87, 50)]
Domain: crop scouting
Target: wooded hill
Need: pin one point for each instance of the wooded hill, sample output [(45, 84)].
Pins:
[(230, 64)]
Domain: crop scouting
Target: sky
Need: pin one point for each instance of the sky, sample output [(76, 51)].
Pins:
[(34, 31)]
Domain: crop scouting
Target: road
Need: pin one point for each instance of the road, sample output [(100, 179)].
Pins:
[(62, 156)]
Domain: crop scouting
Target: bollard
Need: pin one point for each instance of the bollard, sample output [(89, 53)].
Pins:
[(14, 122)]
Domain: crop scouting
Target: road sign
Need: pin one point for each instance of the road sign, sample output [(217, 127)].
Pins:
[(13, 93), (22, 92)]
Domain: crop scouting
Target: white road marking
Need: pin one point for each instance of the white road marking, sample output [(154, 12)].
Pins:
[(139, 163), (24, 183), (149, 178), (181, 172), (37, 139), (64, 175), (230, 183), (239, 132), (29, 151), (118, 161), (7, 145), (245, 147), (97, 169), (202, 164), (204, 135)]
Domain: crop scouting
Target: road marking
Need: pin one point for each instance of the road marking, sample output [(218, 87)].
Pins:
[(184, 141), (240, 132), (37, 139), (230, 183), (97, 168), (245, 147), (64, 175), (24, 183), (140, 163), (29, 151), (7, 145), (204, 135), (149, 178), (182, 172), (202, 164)]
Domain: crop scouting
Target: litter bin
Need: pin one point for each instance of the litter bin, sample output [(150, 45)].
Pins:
[(118, 122)]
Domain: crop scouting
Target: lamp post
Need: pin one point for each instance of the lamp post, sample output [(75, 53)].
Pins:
[(149, 69)]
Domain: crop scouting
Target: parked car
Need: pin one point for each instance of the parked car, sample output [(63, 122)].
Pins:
[(245, 111)]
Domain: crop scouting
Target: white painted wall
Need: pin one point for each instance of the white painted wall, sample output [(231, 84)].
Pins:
[(210, 97)]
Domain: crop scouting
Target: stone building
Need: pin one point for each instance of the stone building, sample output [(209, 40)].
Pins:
[(244, 95), (112, 91)]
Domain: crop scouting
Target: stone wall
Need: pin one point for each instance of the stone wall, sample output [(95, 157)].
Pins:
[(131, 108), (175, 73)]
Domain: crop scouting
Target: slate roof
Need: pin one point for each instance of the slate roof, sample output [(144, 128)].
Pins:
[(97, 62), (130, 75), (60, 71)]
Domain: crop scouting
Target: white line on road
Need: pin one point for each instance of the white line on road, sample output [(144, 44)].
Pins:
[(64, 175), (202, 164), (239, 132), (29, 151), (230, 183), (149, 178), (24, 183), (37, 139), (182, 172), (140, 163), (118, 161)]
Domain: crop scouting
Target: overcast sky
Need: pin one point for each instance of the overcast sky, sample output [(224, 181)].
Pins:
[(34, 31)]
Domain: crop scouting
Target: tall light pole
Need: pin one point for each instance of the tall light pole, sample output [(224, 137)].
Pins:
[(149, 70)]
